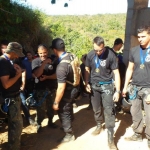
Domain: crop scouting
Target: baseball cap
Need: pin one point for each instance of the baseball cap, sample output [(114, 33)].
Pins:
[(16, 48), (58, 43), (118, 41)]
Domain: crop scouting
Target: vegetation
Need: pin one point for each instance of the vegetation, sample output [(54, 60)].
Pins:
[(32, 27), (22, 24)]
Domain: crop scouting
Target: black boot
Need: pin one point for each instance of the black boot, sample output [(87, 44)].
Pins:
[(98, 129), (111, 143), (39, 128), (51, 124), (68, 138), (134, 137)]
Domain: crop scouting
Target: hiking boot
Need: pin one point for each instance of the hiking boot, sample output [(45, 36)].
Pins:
[(52, 125), (39, 128), (111, 143), (97, 130), (68, 138), (134, 137), (148, 143)]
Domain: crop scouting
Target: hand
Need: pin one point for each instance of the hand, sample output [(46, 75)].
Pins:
[(18, 69), (116, 97), (47, 61), (22, 88), (55, 106), (43, 77), (124, 91), (88, 88)]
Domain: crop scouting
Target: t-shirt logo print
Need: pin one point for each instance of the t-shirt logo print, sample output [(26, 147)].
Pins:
[(103, 63), (147, 59)]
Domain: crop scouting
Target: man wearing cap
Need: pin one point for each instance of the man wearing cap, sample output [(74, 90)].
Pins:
[(139, 70), (10, 82), (63, 99), (100, 65), (45, 86)]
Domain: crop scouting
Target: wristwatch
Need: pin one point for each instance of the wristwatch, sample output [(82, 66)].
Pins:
[(117, 91)]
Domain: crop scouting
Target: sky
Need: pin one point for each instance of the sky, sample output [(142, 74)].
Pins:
[(78, 7)]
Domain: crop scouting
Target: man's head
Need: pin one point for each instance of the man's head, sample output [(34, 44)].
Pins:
[(14, 49), (42, 52), (83, 58), (144, 35), (98, 44), (4, 44), (118, 43), (58, 45), (29, 55)]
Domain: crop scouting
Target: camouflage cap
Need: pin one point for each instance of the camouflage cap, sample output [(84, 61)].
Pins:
[(16, 48)]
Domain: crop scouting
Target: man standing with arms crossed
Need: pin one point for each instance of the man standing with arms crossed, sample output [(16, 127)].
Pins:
[(100, 65), (139, 70)]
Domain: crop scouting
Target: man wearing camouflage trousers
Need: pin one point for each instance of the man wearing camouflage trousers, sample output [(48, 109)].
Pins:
[(10, 82), (45, 85)]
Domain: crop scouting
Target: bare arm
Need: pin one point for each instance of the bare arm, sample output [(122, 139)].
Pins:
[(87, 76), (59, 94), (45, 77), (8, 82), (39, 71), (23, 80), (117, 85), (117, 79), (129, 73)]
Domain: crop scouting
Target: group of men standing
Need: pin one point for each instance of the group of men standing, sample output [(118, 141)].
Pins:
[(101, 67)]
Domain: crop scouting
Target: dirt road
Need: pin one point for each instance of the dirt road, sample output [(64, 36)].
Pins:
[(83, 126)]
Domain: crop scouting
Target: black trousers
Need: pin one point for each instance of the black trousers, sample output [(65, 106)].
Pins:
[(65, 114), (103, 105)]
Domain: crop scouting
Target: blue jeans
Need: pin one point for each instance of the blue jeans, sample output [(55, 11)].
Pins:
[(24, 105)]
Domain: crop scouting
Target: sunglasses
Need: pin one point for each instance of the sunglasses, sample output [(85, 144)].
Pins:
[(98, 50)]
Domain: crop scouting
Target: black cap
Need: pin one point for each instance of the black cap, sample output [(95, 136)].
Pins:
[(58, 44), (118, 41)]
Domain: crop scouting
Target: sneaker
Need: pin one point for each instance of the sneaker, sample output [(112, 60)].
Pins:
[(68, 138), (134, 137), (97, 130)]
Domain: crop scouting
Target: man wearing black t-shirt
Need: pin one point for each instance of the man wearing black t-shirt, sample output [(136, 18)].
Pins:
[(100, 65), (10, 81), (139, 70), (65, 91), (45, 86)]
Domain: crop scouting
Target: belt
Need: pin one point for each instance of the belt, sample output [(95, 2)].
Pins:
[(12, 95), (105, 82)]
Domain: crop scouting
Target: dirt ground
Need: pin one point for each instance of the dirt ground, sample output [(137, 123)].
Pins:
[(83, 126)]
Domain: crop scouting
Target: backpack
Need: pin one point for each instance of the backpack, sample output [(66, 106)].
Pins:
[(75, 63)]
